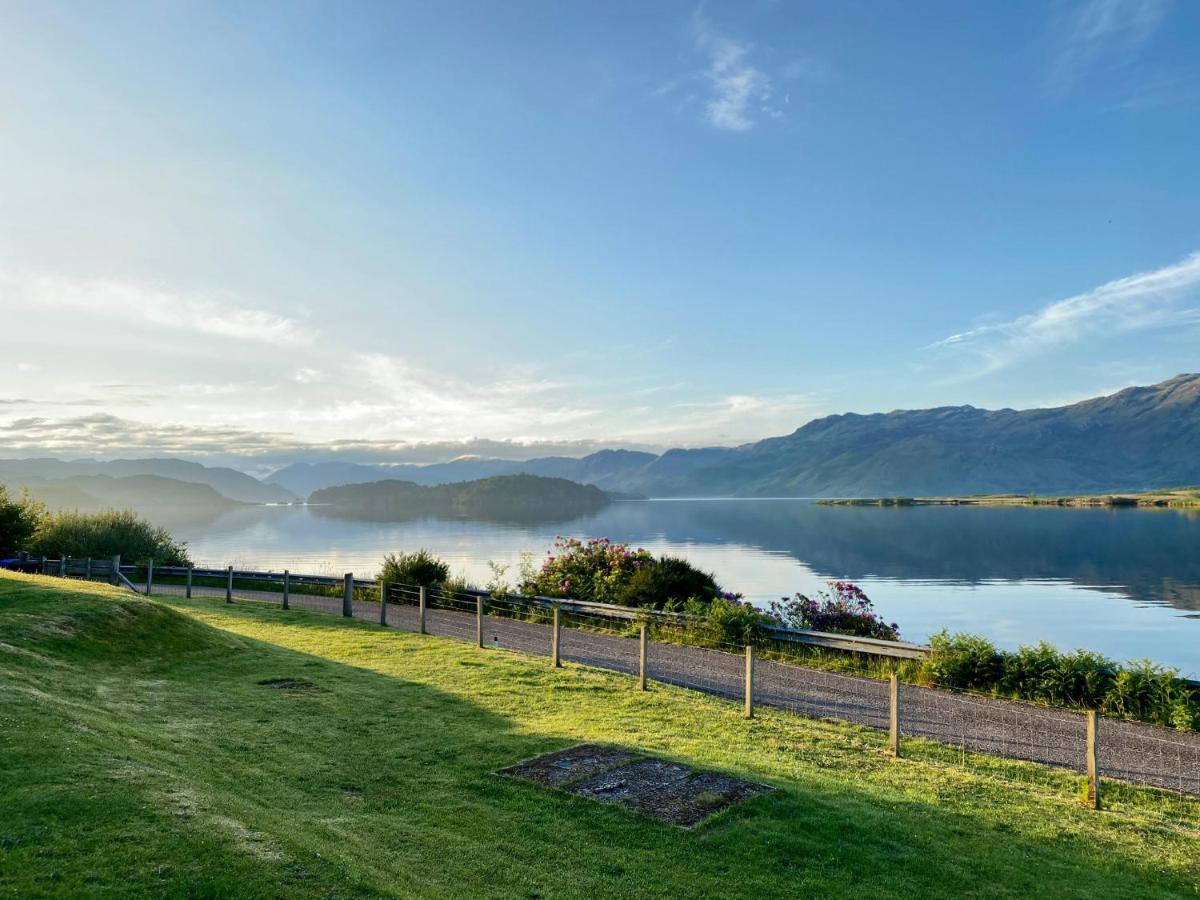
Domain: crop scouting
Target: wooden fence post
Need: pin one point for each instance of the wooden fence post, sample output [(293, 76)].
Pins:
[(229, 585), (1093, 760), (479, 619), (116, 569), (44, 572), (421, 608), (348, 595), (188, 591), (555, 660), (87, 568), (383, 592), (894, 715), (62, 565), (749, 681), (149, 576), (287, 578), (642, 653)]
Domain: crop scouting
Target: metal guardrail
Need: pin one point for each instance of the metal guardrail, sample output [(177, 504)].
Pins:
[(871, 646), (868, 646)]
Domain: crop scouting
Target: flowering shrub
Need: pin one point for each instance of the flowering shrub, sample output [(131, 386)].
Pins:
[(596, 570), (843, 609), (603, 571)]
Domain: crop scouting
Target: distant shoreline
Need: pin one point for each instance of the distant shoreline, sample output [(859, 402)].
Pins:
[(1175, 498)]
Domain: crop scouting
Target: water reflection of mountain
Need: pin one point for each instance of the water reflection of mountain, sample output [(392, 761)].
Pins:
[(1150, 555), (189, 519)]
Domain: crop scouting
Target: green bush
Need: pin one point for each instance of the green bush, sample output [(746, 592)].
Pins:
[(421, 568), (1042, 673), (965, 661), (19, 520), (1150, 692), (1141, 690), (724, 621), (106, 534), (667, 581)]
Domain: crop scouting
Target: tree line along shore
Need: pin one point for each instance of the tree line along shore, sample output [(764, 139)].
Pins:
[(1174, 498)]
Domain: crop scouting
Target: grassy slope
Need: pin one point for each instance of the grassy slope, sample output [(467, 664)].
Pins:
[(141, 757)]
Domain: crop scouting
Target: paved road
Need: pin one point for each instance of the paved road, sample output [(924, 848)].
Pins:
[(1143, 754)]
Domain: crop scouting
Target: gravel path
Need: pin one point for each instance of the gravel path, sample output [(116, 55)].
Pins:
[(1143, 754)]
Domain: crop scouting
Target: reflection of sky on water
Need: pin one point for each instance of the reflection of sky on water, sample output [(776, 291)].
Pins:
[(1125, 582)]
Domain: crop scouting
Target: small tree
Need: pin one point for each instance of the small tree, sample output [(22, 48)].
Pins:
[(19, 519)]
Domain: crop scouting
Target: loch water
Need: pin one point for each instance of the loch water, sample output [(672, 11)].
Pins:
[(1125, 582)]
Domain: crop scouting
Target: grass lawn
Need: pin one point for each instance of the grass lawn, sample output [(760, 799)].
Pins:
[(140, 756)]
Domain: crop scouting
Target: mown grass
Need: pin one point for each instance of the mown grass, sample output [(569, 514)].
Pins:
[(142, 758)]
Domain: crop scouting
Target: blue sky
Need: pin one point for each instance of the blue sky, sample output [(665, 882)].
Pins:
[(269, 228)]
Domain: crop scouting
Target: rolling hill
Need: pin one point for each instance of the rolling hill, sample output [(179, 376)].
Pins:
[(227, 482), (600, 468), (504, 497), (142, 492)]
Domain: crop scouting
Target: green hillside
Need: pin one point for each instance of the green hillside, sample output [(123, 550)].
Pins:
[(94, 492), (514, 497), (144, 755)]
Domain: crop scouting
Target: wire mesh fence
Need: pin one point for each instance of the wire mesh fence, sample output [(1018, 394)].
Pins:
[(1041, 748)]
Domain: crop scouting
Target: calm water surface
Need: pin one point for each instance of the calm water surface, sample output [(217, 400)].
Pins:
[(1125, 582)]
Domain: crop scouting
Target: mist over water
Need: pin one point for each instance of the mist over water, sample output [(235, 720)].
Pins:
[(1124, 582)]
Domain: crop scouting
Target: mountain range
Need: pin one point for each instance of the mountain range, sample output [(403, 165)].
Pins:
[(227, 483), (145, 492), (1141, 438)]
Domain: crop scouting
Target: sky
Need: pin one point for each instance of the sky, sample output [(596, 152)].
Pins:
[(404, 231)]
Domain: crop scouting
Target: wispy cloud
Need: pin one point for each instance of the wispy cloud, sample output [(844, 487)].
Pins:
[(734, 88), (1101, 30), (405, 395), (1157, 299), (739, 90), (214, 314)]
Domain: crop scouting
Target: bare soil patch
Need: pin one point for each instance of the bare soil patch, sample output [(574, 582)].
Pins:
[(670, 792), (288, 684)]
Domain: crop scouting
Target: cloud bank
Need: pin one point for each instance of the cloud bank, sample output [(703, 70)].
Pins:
[(209, 314)]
